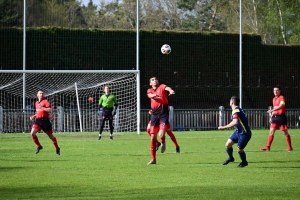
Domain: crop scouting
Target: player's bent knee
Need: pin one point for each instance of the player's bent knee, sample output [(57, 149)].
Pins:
[(240, 150), (34, 131), (228, 145)]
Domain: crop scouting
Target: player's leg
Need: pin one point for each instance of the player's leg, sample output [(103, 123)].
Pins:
[(270, 138), (111, 128), (35, 138), (284, 128), (164, 125), (54, 140), (242, 143), (148, 131), (47, 128), (229, 150), (153, 140), (36, 128), (102, 122), (162, 137), (288, 140), (174, 140)]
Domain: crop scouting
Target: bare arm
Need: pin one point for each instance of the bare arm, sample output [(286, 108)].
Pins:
[(150, 95), (231, 124), (277, 108), (170, 90)]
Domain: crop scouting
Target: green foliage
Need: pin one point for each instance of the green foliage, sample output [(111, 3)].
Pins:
[(92, 169), (8, 14)]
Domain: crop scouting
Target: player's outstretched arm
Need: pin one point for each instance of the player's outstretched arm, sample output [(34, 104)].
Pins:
[(170, 90), (231, 124)]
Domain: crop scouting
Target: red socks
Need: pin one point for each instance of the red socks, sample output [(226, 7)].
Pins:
[(173, 138), (288, 140), (270, 140), (36, 141), (54, 141), (153, 149)]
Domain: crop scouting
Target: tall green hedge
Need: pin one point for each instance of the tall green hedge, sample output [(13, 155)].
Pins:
[(203, 68)]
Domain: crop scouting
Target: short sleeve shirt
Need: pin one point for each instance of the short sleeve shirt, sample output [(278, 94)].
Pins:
[(40, 113)]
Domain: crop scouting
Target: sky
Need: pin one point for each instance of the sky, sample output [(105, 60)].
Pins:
[(85, 2), (96, 2)]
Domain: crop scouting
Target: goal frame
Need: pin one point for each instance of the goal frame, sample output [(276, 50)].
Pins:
[(137, 72)]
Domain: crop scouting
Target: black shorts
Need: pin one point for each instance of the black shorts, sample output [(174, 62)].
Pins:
[(162, 118), (43, 123), (279, 119), (107, 113)]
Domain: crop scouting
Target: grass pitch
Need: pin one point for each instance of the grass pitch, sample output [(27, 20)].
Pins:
[(105, 169)]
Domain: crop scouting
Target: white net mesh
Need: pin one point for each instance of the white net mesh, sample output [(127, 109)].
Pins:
[(60, 90)]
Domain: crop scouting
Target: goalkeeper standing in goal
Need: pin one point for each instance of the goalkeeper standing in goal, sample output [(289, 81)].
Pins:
[(42, 122), (108, 104)]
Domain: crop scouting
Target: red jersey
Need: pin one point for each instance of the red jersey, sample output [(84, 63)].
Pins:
[(39, 112), (161, 99), (278, 101)]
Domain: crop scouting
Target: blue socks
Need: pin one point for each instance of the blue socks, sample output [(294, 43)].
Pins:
[(229, 152), (243, 156)]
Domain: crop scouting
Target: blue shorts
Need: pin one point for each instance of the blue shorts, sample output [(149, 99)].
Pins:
[(241, 139)]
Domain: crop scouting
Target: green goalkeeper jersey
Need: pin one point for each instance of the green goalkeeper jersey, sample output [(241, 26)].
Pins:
[(108, 101)]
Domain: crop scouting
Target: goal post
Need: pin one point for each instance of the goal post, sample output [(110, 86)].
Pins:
[(73, 95)]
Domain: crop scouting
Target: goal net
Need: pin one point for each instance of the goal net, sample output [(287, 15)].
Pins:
[(74, 98)]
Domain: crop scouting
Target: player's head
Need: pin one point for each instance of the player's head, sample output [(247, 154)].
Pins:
[(40, 94), (153, 81), (106, 89), (277, 90), (234, 100)]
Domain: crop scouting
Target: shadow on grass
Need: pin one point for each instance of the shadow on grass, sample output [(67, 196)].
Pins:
[(277, 161), (202, 191)]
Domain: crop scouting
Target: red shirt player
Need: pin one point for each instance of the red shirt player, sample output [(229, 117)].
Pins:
[(42, 122), (158, 94), (278, 119)]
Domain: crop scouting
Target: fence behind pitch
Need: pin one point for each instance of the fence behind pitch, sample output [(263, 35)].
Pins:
[(16, 121)]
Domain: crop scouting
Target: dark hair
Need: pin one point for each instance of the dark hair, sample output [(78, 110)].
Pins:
[(278, 86), (152, 78), (235, 100)]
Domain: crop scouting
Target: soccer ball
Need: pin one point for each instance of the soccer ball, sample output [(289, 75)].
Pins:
[(165, 49), (90, 99)]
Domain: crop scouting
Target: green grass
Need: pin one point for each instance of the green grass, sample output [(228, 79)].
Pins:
[(92, 169)]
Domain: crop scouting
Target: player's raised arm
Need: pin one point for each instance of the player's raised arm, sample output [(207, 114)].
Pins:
[(170, 90)]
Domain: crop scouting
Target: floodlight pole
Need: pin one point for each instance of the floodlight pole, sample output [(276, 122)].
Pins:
[(137, 67), (240, 73), (24, 54)]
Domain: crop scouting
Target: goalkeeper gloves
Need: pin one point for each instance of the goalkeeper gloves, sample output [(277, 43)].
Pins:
[(99, 110)]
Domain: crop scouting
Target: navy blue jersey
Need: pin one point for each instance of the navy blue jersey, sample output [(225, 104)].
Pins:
[(242, 125)]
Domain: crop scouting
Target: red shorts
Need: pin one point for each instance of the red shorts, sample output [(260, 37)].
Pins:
[(154, 129), (279, 127), (279, 122)]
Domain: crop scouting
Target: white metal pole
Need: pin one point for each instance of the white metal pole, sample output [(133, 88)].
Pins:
[(78, 107), (137, 68), (241, 68), (24, 53)]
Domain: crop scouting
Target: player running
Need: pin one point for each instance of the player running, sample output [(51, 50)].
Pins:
[(42, 122)]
